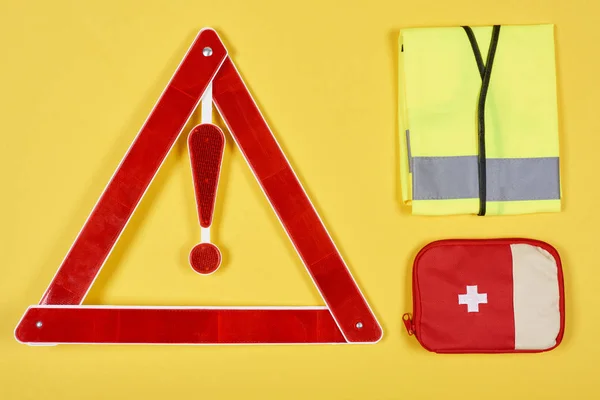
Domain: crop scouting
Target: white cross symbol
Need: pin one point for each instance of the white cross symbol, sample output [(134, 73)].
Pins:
[(472, 299)]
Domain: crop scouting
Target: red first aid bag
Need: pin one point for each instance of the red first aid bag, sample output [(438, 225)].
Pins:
[(487, 296)]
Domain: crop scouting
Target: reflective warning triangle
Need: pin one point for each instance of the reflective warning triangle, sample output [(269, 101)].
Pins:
[(60, 316)]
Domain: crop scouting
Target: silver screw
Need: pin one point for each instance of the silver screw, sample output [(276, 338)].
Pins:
[(38, 324), (207, 52), (359, 325)]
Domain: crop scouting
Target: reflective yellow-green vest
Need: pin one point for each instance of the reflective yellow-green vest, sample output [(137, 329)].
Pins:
[(439, 90)]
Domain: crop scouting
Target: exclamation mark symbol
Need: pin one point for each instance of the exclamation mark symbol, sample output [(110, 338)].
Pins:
[(206, 144)]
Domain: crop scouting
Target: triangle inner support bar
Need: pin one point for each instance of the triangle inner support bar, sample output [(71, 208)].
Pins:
[(60, 317)]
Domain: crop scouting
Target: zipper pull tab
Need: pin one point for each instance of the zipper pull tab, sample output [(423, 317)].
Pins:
[(408, 323)]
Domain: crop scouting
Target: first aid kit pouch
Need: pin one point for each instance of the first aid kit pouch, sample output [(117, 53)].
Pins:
[(487, 296)]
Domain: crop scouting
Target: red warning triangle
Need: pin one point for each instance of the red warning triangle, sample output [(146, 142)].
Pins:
[(60, 316)]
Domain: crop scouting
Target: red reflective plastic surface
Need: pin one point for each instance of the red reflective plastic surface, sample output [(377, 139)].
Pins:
[(205, 258), (206, 144), (347, 310), (88, 324)]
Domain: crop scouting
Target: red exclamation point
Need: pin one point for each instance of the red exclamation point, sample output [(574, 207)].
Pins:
[(206, 144)]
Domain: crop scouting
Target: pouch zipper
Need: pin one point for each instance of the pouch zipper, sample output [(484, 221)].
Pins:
[(408, 323), (409, 318)]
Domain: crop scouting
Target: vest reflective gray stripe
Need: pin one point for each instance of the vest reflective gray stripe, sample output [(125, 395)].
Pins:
[(437, 178)]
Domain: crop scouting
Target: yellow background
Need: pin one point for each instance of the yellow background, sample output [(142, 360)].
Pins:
[(77, 80)]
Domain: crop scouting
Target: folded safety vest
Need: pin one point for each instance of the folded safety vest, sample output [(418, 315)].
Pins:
[(478, 120)]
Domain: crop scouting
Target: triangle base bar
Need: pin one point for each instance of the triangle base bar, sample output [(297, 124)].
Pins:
[(185, 325)]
